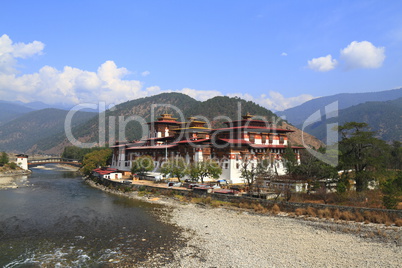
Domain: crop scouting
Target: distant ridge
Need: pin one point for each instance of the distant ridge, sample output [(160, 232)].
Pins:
[(23, 134), (297, 115), (10, 111), (383, 117)]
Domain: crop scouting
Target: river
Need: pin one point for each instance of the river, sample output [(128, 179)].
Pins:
[(54, 219)]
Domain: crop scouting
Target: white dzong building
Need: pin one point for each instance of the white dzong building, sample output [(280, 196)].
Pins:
[(247, 138)]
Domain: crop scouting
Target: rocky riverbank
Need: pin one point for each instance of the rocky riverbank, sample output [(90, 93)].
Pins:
[(221, 237), (13, 178), (14, 172)]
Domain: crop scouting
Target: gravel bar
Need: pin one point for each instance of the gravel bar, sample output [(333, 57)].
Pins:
[(228, 238)]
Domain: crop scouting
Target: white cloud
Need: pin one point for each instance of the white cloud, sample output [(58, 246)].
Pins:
[(145, 73), (9, 52), (73, 86), (284, 54), (275, 100), (362, 55), (201, 95), (322, 64)]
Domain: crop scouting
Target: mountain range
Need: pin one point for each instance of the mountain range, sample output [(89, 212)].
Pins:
[(32, 132), (26, 129), (382, 117), (25, 132), (297, 115), (382, 111)]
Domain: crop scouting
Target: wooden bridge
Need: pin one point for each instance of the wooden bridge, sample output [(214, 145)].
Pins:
[(53, 160)]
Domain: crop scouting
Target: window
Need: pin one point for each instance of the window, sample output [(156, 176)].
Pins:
[(252, 138)]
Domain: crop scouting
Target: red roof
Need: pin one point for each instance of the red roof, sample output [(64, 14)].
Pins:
[(192, 141), (104, 171), (236, 141), (159, 138), (163, 146), (165, 121), (247, 120), (256, 128), (119, 145), (257, 146)]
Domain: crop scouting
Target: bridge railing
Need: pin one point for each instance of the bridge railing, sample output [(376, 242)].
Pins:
[(53, 160)]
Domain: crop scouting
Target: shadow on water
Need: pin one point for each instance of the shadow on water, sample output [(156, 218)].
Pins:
[(59, 220)]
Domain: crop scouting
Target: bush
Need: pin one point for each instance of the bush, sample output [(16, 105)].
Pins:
[(12, 165), (324, 213), (359, 217), (398, 222), (336, 214), (300, 211), (375, 217), (259, 208), (276, 209), (311, 212), (244, 205), (142, 188), (347, 216)]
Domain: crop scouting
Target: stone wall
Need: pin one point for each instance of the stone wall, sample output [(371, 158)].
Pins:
[(284, 206)]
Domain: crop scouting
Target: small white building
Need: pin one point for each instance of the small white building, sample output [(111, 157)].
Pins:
[(107, 173), (22, 161)]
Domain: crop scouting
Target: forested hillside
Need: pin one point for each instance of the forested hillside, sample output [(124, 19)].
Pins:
[(297, 115), (23, 133), (182, 106), (385, 118)]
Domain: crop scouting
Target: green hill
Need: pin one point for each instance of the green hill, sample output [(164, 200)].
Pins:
[(383, 117), (215, 110), (23, 133), (180, 105), (43, 131)]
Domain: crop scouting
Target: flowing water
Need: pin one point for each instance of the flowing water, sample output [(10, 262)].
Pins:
[(54, 219)]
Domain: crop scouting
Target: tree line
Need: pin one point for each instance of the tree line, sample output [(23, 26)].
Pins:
[(177, 167)]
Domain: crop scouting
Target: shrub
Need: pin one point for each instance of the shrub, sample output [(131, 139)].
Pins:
[(336, 214), (375, 217), (276, 209), (359, 217), (311, 212), (300, 211), (347, 216), (12, 165), (142, 188), (398, 222), (259, 208), (324, 213), (244, 205)]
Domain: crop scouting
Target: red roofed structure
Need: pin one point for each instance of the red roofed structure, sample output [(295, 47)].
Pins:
[(107, 173), (249, 138)]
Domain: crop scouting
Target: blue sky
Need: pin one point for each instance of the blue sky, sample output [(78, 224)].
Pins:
[(276, 53)]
